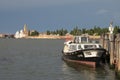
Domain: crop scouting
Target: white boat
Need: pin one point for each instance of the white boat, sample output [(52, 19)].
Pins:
[(81, 51)]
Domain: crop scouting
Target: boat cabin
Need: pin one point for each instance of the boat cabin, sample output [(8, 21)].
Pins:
[(80, 43), (81, 39), (74, 46)]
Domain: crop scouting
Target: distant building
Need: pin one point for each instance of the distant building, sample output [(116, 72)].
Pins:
[(2, 36), (31, 31), (22, 33), (25, 30)]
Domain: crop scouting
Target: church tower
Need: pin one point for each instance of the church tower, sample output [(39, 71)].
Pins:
[(25, 30)]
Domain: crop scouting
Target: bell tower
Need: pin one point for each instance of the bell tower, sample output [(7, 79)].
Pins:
[(25, 30)]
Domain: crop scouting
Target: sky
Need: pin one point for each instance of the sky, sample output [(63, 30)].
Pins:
[(43, 15)]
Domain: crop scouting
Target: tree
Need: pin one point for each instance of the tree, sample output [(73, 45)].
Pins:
[(61, 32), (76, 31), (34, 33), (97, 30), (90, 32), (116, 29), (104, 30), (48, 32)]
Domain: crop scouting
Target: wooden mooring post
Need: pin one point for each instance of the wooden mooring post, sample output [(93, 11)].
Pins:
[(117, 52), (105, 41), (112, 49), (106, 45), (111, 43)]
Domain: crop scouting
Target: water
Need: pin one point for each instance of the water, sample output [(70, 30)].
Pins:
[(40, 59)]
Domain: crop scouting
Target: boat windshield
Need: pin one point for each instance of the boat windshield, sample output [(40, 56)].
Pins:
[(89, 46), (84, 39)]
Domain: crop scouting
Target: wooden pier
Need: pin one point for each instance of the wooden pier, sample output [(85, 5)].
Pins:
[(111, 43)]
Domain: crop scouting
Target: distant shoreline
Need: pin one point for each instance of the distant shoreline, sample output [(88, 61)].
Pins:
[(44, 36), (48, 37), (58, 37)]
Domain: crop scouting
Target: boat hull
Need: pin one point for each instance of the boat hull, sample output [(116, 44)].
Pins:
[(87, 63), (80, 57)]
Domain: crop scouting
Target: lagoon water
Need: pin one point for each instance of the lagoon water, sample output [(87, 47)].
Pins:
[(40, 59)]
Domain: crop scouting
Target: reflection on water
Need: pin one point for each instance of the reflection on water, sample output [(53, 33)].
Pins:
[(88, 73)]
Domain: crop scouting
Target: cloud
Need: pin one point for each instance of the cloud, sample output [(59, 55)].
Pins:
[(102, 11)]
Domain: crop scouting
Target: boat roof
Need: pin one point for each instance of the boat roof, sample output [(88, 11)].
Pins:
[(86, 43)]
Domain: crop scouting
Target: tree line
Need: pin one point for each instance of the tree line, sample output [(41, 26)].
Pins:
[(77, 31)]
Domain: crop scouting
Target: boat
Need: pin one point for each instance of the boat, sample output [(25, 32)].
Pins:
[(81, 51)]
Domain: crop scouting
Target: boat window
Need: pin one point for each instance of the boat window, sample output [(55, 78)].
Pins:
[(100, 46), (83, 39), (79, 46), (73, 47), (90, 46)]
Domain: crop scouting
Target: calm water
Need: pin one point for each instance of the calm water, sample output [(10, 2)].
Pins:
[(41, 60)]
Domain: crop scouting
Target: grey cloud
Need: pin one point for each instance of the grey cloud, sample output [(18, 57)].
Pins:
[(102, 11)]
